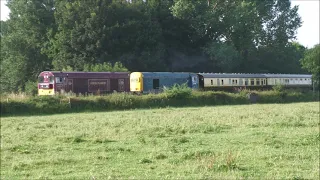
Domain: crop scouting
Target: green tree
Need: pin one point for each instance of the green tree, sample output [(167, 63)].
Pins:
[(245, 25), (21, 46), (311, 62), (275, 59), (105, 67)]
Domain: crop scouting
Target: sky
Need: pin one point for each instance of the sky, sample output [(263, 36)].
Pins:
[(307, 34)]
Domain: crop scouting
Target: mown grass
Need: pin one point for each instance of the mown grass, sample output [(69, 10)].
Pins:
[(275, 141)]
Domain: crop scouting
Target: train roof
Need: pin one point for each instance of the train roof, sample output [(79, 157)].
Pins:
[(288, 75), (167, 74), (246, 75), (230, 75), (87, 74)]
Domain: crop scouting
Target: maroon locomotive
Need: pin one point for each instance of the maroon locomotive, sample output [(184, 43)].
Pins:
[(54, 82)]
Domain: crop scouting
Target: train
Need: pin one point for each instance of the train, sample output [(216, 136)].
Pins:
[(58, 82)]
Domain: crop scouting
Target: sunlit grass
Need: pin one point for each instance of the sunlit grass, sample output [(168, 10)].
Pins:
[(226, 142)]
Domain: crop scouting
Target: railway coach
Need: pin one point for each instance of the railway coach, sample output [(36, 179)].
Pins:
[(146, 82), (290, 80), (55, 82), (229, 81)]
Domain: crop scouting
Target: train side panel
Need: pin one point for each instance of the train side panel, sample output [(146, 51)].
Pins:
[(157, 81)]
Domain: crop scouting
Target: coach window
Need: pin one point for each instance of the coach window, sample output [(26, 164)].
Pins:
[(233, 82), (251, 81), (246, 82), (211, 82), (240, 81), (221, 81), (286, 81), (229, 81), (258, 81), (236, 81), (264, 82), (156, 84)]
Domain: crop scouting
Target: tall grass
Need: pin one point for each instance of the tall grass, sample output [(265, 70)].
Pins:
[(177, 96)]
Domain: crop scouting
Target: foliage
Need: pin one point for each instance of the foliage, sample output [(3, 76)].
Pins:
[(31, 88), (105, 67), (179, 96), (278, 88), (21, 46), (178, 91), (224, 56), (168, 35), (311, 62)]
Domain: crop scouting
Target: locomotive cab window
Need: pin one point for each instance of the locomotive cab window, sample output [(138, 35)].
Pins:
[(41, 79), (156, 84), (51, 79)]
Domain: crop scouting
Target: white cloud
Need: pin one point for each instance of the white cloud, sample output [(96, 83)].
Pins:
[(4, 10)]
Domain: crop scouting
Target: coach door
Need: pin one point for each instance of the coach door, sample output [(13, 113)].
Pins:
[(69, 85), (120, 85)]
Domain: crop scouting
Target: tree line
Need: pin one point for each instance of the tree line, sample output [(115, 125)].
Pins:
[(240, 36)]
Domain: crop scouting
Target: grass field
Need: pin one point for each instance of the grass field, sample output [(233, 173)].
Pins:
[(275, 141)]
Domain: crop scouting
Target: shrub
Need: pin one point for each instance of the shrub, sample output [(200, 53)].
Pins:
[(31, 88), (177, 96), (178, 91), (278, 88)]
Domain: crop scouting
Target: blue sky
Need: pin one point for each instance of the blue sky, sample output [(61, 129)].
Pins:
[(307, 35)]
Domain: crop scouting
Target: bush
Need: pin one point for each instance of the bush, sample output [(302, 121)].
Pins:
[(177, 96), (31, 88), (278, 88), (178, 91)]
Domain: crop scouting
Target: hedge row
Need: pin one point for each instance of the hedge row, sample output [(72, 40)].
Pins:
[(122, 101)]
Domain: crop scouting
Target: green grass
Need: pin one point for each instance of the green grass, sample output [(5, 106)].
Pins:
[(274, 141)]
